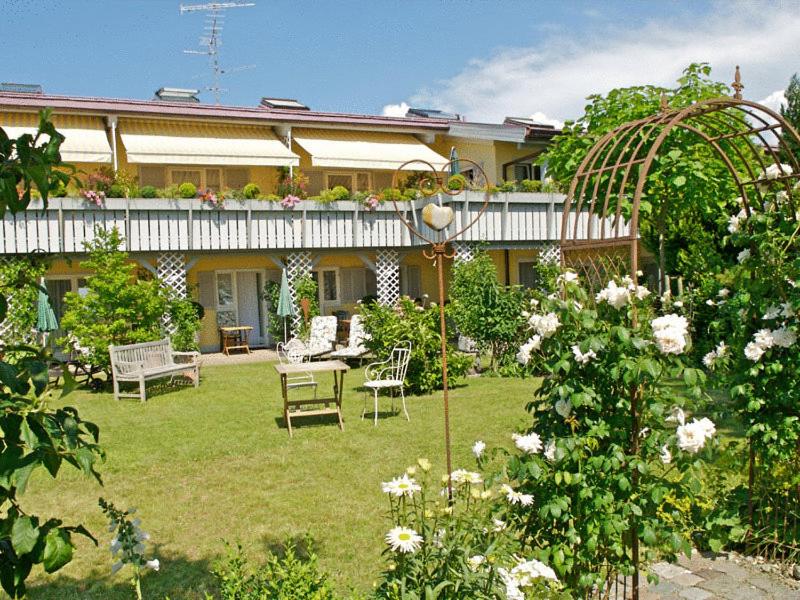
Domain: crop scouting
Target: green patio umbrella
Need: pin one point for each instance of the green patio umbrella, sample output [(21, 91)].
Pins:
[(285, 305), (45, 316), (455, 168)]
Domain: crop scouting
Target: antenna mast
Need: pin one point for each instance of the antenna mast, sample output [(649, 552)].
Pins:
[(211, 40)]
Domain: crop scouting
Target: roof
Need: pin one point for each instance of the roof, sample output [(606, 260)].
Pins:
[(160, 108)]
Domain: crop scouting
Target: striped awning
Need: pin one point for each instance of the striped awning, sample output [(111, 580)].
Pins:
[(365, 149), (186, 143), (85, 137)]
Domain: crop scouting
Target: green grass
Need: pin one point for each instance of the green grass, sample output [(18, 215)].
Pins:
[(216, 463)]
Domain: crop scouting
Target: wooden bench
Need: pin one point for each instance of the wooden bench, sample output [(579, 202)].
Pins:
[(150, 360)]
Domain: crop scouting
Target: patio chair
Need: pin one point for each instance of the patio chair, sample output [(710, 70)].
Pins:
[(355, 343), (294, 352), (389, 375), (322, 338)]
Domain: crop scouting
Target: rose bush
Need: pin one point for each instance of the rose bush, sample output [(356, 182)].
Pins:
[(610, 454)]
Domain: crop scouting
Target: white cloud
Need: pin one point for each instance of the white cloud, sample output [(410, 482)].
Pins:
[(775, 100), (554, 77), (395, 110)]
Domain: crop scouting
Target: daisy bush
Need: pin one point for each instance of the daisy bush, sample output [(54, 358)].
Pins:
[(611, 449), (460, 549)]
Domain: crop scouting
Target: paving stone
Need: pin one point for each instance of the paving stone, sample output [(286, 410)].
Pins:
[(668, 571), (709, 573), (693, 593), (664, 589), (687, 579), (733, 588)]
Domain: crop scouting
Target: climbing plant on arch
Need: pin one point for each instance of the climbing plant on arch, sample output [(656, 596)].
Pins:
[(608, 196)]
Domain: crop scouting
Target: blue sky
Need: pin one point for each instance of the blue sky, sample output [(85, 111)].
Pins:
[(486, 59)]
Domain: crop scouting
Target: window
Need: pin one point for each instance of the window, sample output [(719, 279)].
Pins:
[(224, 290), (355, 182), (179, 176), (236, 178), (522, 172), (330, 292), (152, 175), (527, 274), (343, 179), (213, 177)]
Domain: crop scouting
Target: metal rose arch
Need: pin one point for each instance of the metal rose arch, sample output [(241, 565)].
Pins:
[(598, 240), (435, 182), (600, 220)]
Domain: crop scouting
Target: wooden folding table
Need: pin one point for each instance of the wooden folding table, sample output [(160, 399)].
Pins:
[(326, 406)]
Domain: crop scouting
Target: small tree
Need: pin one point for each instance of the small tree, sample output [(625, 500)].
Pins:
[(485, 311), (791, 112), (117, 308)]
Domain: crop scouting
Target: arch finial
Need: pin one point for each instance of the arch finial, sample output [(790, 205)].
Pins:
[(737, 84)]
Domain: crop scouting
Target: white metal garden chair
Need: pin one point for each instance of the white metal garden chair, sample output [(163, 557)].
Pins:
[(322, 338), (295, 352), (355, 343), (389, 375)]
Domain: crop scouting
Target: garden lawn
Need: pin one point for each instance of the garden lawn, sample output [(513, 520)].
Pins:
[(216, 463)]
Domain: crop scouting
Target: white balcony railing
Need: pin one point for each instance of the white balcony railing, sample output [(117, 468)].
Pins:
[(154, 225)]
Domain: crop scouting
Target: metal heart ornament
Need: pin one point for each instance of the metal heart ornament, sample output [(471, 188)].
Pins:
[(437, 217)]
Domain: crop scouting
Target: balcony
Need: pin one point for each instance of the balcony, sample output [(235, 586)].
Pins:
[(156, 225)]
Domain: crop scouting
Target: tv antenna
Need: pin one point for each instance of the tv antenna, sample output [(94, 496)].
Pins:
[(211, 40)]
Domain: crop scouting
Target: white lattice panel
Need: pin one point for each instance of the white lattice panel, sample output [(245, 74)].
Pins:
[(298, 265), (550, 254), (387, 274), (465, 251), (171, 270)]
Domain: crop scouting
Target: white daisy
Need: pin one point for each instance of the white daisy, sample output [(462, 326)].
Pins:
[(403, 539), (401, 486), (478, 448)]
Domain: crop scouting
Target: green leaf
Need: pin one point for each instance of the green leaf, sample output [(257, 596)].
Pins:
[(24, 535), (679, 181), (57, 550)]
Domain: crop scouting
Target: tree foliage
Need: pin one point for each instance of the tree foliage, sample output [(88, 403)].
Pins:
[(34, 435), (17, 278), (117, 307), (791, 112), (687, 186)]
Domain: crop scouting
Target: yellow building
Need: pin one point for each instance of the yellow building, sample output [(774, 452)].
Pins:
[(223, 256)]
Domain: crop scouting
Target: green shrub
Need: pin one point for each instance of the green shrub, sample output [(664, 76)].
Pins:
[(115, 190), (485, 311), (508, 186), (335, 194), (550, 186), (271, 294), (530, 185), (18, 278), (269, 197), (389, 326), (187, 190), (171, 191), (293, 575), (185, 316), (148, 191), (251, 191), (457, 182), (60, 191)]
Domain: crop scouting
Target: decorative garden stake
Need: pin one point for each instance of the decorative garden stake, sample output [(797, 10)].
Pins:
[(438, 218)]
